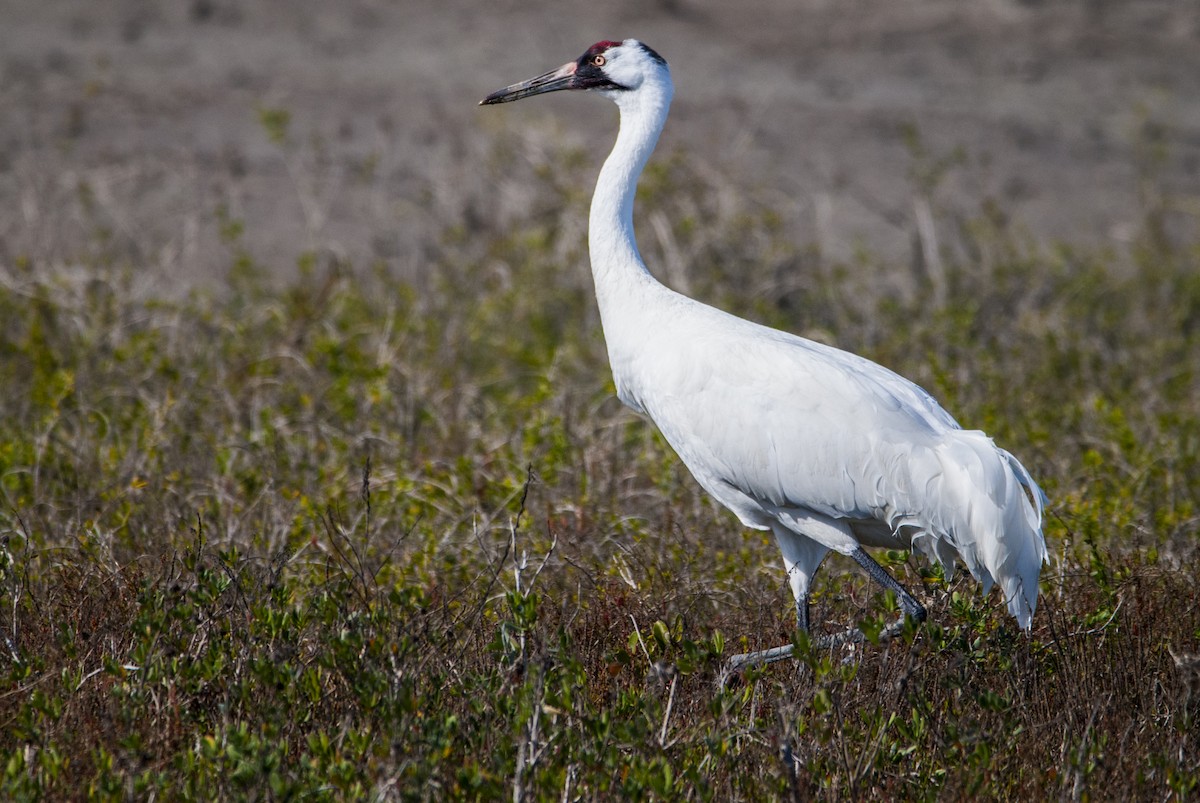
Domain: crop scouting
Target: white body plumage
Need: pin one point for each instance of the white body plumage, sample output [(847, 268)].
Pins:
[(828, 450)]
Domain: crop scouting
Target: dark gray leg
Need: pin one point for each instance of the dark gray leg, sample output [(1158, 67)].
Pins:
[(802, 613), (908, 604), (774, 654)]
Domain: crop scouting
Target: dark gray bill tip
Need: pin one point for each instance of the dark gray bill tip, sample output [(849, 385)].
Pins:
[(562, 78), (503, 96), (500, 96)]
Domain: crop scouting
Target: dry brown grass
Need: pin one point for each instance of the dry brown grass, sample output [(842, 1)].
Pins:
[(356, 535)]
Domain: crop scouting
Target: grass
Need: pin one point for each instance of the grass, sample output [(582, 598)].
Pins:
[(364, 535)]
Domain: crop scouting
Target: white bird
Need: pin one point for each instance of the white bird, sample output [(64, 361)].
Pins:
[(826, 449)]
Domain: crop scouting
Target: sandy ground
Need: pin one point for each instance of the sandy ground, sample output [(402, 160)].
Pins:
[(128, 124)]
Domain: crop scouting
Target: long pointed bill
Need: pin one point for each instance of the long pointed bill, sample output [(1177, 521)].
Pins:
[(550, 82)]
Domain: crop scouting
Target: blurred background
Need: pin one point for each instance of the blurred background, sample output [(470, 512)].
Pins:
[(155, 132), (303, 385)]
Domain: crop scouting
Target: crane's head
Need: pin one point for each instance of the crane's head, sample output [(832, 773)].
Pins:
[(611, 68)]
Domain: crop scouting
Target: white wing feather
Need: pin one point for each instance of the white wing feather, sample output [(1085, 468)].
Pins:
[(833, 434)]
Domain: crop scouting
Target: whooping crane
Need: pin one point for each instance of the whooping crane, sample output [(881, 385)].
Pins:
[(824, 448)]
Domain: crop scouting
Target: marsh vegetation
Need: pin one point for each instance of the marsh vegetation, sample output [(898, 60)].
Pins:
[(362, 532)]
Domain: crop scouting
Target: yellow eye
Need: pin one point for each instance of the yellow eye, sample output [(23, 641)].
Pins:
[(598, 60)]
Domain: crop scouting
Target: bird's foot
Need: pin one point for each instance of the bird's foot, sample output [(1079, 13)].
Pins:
[(759, 658), (742, 661)]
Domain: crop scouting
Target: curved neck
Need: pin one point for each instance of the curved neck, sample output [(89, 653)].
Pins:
[(616, 263)]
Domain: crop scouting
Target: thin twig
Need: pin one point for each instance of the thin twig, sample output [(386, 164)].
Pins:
[(662, 733)]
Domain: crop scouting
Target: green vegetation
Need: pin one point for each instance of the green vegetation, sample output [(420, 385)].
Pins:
[(362, 536)]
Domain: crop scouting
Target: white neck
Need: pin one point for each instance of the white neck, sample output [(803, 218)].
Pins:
[(617, 268)]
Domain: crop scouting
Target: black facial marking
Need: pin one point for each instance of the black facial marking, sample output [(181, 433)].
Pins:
[(653, 54), (588, 75)]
